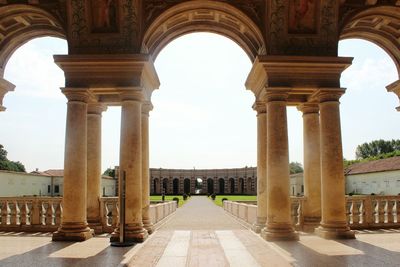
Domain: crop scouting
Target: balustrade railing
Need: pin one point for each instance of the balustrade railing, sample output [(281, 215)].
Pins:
[(363, 212), (43, 214)]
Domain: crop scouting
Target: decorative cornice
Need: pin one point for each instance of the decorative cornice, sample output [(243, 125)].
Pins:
[(395, 88), (5, 87), (328, 94), (77, 94), (147, 106), (260, 107), (274, 94)]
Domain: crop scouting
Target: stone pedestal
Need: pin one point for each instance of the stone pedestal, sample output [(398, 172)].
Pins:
[(131, 166), (94, 165), (145, 169), (312, 167), (333, 222), (74, 226), (260, 107), (279, 226)]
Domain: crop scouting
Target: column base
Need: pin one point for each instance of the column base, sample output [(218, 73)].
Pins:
[(258, 225), (96, 226), (310, 224), (279, 233), (136, 234), (73, 232), (148, 226), (340, 231)]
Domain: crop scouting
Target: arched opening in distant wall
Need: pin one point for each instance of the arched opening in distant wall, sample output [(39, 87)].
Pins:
[(186, 186), (175, 186), (210, 186), (156, 186), (221, 186), (232, 185), (165, 186)]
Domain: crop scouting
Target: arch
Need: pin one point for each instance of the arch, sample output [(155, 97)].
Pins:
[(210, 186), (186, 186), (232, 185), (156, 186), (221, 183), (175, 186), (165, 186), (204, 16), (21, 23), (379, 25)]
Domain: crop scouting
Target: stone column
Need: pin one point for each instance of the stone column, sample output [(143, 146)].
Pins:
[(333, 222), (94, 165), (74, 226), (5, 87), (131, 166), (279, 225), (312, 166), (260, 107), (145, 168)]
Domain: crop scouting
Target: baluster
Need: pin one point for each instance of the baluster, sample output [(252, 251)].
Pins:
[(35, 214), (28, 210), (391, 204), (50, 214), (376, 211), (382, 211), (350, 213), (1, 213), (115, 214), (13, 213), (299, 214), (23, 212), (103, 213), (396, 211), (58, 213), (108, 214), (361, 212), (43, 211)]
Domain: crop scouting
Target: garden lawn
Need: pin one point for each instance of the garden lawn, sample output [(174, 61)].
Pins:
[(218, 198), (168, 198)]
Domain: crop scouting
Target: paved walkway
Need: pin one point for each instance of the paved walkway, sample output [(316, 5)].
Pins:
[(202, 234)]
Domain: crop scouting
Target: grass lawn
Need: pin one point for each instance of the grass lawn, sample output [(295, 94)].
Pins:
[(218, 199), (168, 198)]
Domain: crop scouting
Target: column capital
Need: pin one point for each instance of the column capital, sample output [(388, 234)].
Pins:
[(77, 94), (328, 94), (277, 94), (260, 107), (96, 108), (131, 94), (308, 108), (5, 87), (147, 106), (394, 88)]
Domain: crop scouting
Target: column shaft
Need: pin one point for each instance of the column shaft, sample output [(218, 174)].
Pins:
[(261, 167), (146, 170), (74, 226), (334, 222), (312, 167), (279, 226), (131, 167), (94, 166)]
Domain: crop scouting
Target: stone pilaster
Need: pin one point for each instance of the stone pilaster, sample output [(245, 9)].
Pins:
[(333, 222), (131, 165), (395, 88), (94, 165), (260, 107), (74, 226), (279, 225), (5, 87), (312, 166), (145, 168)]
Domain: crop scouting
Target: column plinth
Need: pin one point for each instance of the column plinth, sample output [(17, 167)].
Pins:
[(279, 226), (131, 167), (312, 167), (260, 107), (333, 222), (145, 169), (74, 226), (94, 165)]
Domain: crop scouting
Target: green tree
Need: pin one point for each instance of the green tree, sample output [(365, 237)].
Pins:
[(109, 172), (295, 167), (7, 165), (376, 148)]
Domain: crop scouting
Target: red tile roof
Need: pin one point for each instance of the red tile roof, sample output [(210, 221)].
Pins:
[(55, 173), (382, 165)]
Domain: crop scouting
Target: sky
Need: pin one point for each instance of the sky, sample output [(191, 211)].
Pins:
[(202, 116)]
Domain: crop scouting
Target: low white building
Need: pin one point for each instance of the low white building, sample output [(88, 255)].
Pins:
[(381, 177), (47, 183)]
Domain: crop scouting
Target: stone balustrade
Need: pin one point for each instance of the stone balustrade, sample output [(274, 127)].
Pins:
[(43, 214), (363, 212)]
